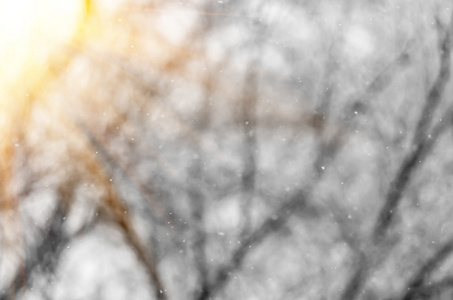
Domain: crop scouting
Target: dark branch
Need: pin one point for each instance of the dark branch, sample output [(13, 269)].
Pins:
[(45, 254), (427, 290), (417, 282), (249, 126), (355, 283), (422, 143), (272, 224), (158, 214)]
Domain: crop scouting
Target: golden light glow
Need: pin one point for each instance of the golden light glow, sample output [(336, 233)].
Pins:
[(31, 32)]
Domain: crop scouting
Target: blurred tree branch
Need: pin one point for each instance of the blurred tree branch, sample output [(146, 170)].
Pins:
[(271, 224), (422, 142), (45, 254), (417, 282)]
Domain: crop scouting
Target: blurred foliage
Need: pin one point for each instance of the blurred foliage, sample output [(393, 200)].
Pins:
[(233, 150)]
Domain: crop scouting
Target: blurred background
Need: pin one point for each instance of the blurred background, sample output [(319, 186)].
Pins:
[(226, 149)]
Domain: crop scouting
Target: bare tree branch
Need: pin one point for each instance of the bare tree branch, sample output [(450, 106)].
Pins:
[(422, 142), (115, 208), (422, 145), (249, 127), (197, 197), (155, 210), (297, 203), (416, 283), (45, 254), (426, 291)]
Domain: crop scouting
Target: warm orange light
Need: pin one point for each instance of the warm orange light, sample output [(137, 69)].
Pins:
[(30, 32)]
